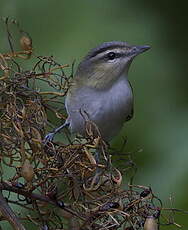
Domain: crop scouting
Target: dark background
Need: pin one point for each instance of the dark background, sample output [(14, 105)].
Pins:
[(67, 29)]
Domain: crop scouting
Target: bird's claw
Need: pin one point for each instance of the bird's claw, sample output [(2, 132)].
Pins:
[(48, 138)]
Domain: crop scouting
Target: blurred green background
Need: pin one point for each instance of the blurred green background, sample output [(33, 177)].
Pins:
[(67, 29)]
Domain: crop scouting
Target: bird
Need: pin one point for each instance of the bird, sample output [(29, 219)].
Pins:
[(100, 90)]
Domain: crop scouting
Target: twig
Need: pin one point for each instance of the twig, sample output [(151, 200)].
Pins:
[(9, 215), (6, 186)]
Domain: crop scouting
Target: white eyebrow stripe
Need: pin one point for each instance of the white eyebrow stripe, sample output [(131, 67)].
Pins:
[(104, 53)]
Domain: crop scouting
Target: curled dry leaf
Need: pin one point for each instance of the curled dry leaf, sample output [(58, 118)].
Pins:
[(150, 223), (26, 43), (27, 171)]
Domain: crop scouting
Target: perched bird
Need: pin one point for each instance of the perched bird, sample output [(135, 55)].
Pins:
[(100, 90)]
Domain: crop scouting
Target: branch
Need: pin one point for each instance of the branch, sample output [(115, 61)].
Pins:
[(9, 215), (8, 187)]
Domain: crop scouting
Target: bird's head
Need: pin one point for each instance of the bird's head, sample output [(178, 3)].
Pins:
[(106, 63)]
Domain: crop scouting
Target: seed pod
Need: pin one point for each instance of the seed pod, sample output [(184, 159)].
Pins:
[(150, 223), (61, 204), (27, 171), (108, 206), (145, 193), (26, 43), (17, 184)]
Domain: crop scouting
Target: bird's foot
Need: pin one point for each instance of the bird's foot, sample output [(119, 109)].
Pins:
[(49, 137)]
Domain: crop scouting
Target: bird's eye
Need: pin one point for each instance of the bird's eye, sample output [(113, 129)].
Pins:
[(111, 56)]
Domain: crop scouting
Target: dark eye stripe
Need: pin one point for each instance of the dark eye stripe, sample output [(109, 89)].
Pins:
[(113, 55), (100, 50)]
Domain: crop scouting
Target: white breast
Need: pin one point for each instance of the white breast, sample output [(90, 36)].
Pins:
[(108, 109)]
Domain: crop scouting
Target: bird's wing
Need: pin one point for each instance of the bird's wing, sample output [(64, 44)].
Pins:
[(131, 113)]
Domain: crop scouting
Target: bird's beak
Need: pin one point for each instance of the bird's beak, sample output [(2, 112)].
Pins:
[(141, 49), (138, 50)]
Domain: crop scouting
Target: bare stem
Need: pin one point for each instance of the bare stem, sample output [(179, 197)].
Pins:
[(9, 215), (6, 186)]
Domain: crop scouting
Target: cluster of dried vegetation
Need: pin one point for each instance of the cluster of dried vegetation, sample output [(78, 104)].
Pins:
[(58, 185)]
